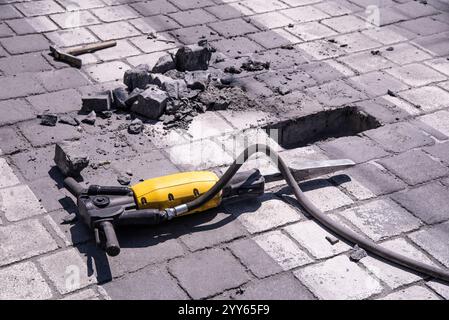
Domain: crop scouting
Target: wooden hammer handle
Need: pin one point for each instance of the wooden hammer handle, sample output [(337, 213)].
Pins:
[(90, 47)]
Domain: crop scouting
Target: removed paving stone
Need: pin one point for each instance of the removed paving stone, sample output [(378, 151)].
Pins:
[(97, 103), (70, 159), (357, 253)]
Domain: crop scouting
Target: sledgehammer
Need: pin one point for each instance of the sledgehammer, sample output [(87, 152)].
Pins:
[(69, 55)]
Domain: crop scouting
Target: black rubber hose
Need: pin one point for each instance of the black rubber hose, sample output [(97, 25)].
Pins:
[(316, 213)]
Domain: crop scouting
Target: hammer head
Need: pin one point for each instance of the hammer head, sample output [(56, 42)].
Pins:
[(60, 55)]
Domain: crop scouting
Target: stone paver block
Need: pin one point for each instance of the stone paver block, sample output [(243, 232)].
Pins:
[(409, 167), (16, 243), (283, 250), (381, 219), (11, 141), (211, 230), (67, 270), (73, 5), (427, 98), (414, 9), (23, 282), (19, 203), (154, 45), (311, 31), (191, 4), (438, 120), (154, 24), (428, 202), (440, 64), (114, 30), (32, 25), (192, 17), (436, 44), (62, 79), (233, 27), (355, 148), (324, 195), (305, 14), (399, 137), (35, 163), (366, 62), (353, 187), (74, 19), (393, 275), (108, 71), (282, 287), (345, 24), (236, 46), (24, 44), (40, 135), (335, 93), (115, 13), (31, 62), (416, 75), (412, 293), (439, 150), (146, 284), (197, 273), (263, 214), (38, 8), (8, 176), (377, 83), (87, 294), (154, 7), (354, 42), (57, 102), (339, 278), (434, 241), (271, 20), (424, 26), (405, 53), (440, 288), (313, 237), (208, 125), (387, 35), (19, 86), (260, 6), (254, 258), (71, 37)]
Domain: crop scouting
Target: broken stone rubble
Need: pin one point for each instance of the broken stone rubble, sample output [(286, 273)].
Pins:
[(70, 159)]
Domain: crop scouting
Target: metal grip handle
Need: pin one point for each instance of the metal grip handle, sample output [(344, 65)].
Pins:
[(112, 246)]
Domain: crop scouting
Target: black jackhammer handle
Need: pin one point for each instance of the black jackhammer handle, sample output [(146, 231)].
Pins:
[(112, 246)]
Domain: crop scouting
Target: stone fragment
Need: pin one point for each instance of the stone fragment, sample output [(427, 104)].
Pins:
[(97, 102), (69, 120), (133, 97), (49, 119), (120, 95), (124, 180), (91, 118), (137, 77), (176, 89), (193, 57), (164, 64), (135, 127), (151, 103), (70, 159), (357, 253), (255, 65), (197, 80)]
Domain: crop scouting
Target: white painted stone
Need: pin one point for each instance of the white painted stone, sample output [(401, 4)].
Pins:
[(381, 219), (7, 176), (282, 249), (327, 197), (23, 282), (393, 275), (412, 293), (340, 279), (67, 270), (19, 202), (438, 120), (263, 214), (24, 240), (313, 237)]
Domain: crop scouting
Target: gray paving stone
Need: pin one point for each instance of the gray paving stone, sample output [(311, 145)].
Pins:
[(282, 249), (286, 81), (74, 19), (115, 13), (5, 31), (388, 35), (409, 167), (114, 30), (429, 98), (345, 24), (313, 30), (424, 26), (192, 35), (8, 177), (257, 215), (366, 62), (152, 283), (23, 281), (415, 9), (355, 148), (344, 280), (436, 44), (270, 39), (16, 243), (154, 24), (210, 230), (399, 137), (254, 258), (264, 6), (60, 101), (151, 8), (271, 20), (433, 241), (19, 86), (393, 275), (440, 151), (73, 5), (191, 4), (32, 62), (192, 17), (38, 8), (67, 270), (63, 79), (35, 163), (71, 37), (305, 14), (15, 110), (39, 135), (416, 75), (32, 25), (233, 27), (282, 287), (24, 44), (236, 46), (440, 64), (108, 71), (387, 109), (386, 16), (154, 45), (324, 195), (441, 288), (412, 293), (428, 202), (8, 11), (376, 178), (438, 121), (17, 210), (356, 41), (381, 219), (377, 83), (197, 273), (335, 93), (405, 53)]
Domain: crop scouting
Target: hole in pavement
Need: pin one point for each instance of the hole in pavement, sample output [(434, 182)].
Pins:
[(346, 121)]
